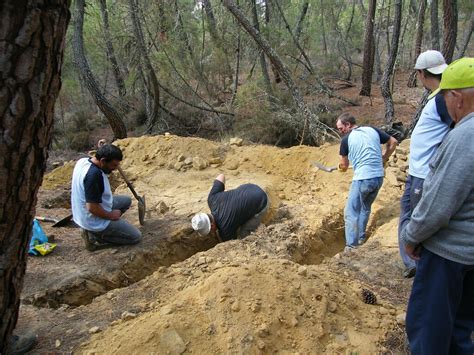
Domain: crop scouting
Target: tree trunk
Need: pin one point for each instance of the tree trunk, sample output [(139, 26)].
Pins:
[(263, 62), (434, 26), (323, 31), (309, 66), (419, 38), (152, 88), (110, 49), (369, 50), (450, 31), (32, 41), (237, 64), (301, 17), (467, 38), (80, 61), (316, 127), (388, 72), (214, 34)]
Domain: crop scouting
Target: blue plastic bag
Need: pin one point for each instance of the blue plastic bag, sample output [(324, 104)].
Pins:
[(38, 237)]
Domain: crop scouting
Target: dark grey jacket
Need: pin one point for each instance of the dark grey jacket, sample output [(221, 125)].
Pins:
[(443, 221)]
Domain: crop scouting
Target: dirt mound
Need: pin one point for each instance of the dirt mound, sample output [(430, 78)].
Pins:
[(284, 288), (249, 304), (59, 177)]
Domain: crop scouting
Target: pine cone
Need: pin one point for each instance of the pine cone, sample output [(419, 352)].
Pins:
[(368, 296)]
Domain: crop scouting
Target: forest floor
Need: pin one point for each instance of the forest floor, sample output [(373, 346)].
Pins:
[(287, 288)]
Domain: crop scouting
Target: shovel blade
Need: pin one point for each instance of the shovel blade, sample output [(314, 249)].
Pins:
[(141, 210), (324, 168)]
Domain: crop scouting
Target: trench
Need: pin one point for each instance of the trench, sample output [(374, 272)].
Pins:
[(165, 247), (159, 248)]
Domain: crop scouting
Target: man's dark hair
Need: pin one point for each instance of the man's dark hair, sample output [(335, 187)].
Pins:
[(347, 118), (109, 152), (431, 75)]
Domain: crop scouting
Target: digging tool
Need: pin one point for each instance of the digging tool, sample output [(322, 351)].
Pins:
[(57, 223), (140, 199), (328, 169)]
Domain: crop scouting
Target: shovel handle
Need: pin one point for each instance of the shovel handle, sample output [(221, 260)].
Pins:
[(46, 219), (129, 184)]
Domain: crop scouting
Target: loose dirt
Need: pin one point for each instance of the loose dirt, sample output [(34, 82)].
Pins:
[(287, 288)]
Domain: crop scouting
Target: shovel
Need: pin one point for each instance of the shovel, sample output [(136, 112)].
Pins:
[(328, 169), (140, 199), (57, 223)]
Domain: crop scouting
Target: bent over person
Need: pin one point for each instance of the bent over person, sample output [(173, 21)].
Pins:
[(440, 233), (234, 213), (94, 208), (361, 146)]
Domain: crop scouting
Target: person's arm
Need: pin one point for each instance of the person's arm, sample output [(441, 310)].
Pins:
[(343, 163), (97, 210), (344, 153), (221, 178), (445, 191), (390, 144), (93, 190), (389, 148)]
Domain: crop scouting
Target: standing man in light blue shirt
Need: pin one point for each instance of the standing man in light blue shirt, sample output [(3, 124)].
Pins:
[(434, 123), (362, 147)]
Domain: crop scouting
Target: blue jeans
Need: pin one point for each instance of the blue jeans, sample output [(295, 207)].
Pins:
[(440, 314), (410, 198), (357, 211), (119, 232)]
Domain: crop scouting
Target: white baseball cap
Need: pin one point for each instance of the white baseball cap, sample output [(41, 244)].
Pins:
[(201, 223), (431, 60)]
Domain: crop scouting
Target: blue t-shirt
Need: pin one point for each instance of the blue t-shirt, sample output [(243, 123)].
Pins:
[(432, 126), (231, 209), (362, 146), (90, 185)]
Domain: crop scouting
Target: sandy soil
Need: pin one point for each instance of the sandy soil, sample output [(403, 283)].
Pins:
[(287, 288)]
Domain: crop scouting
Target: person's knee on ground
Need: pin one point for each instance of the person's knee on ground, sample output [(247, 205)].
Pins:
[(122, 203)]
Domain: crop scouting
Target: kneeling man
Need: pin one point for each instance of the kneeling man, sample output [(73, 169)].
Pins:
[(94, 208)]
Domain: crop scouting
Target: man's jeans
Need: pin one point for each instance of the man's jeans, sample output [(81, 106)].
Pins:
[(253, 223), (440, 314), (357, 211), (119, 232), (410, 198)]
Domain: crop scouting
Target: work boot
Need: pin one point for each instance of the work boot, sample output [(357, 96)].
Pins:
[(21, 344), (409, 272), (88, 241)]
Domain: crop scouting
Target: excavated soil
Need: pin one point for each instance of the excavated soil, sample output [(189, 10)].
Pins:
[(287, 288)]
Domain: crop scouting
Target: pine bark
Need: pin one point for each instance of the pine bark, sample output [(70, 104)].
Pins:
[(32, 40), (450, 30), (434, 26), (111, 114), (388, 72), (369, 50), (419, 39)]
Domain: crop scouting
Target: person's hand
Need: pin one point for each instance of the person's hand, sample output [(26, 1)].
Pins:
[(413, 251), (101, 142), (341, 168), (115, 215)]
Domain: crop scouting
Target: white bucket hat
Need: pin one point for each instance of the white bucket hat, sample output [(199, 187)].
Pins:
[(431, 60), (201, 223)]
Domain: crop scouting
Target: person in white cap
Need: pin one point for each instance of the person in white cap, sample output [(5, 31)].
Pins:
[(434, 123), (234, 213)]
